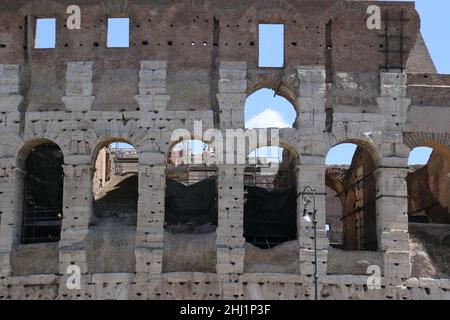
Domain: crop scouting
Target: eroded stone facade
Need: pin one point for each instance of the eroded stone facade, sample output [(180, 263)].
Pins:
[(198, 60)]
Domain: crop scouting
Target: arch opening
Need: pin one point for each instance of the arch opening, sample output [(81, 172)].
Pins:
[(428, 185), (270, 184), (111, 238), (191, 188), (191, 208), (266, 109), (351, 197), (43, 194), (115, 183)]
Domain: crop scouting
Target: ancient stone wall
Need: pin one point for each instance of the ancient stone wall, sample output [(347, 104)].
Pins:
[(198, 60)]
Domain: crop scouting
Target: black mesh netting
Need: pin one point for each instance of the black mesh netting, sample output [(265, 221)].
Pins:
[(195, 204), (270, 214)]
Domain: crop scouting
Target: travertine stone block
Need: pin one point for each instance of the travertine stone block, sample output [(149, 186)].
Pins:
[(79, 88)]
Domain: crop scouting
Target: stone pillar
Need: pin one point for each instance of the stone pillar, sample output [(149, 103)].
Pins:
[(9, 88), (312, 98), (150, 220), (11, 198), (392, 221), (79, 86), (232, 94), (392, 194), (77, 214), (153, 87), (311, 172), (230, 231), (11, 178)]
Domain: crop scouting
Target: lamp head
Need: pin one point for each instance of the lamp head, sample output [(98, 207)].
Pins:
[(306, 216)]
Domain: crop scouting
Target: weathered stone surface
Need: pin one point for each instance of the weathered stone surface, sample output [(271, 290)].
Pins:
[(82, 96)]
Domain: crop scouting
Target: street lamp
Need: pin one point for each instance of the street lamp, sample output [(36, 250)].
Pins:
[(310, 216)]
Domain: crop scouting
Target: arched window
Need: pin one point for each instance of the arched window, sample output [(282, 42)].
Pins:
[(116, 183), (270, 211), (191, 188), (429, 185), (351, 189), (43, 194), (265, 109), (191, 208), (111, 238)]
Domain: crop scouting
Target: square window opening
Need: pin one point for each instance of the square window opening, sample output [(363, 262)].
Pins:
[(118, 32), (271, 45), (45, 36)]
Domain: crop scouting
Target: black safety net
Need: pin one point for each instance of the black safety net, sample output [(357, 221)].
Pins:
[(270, 214), (195, 204)]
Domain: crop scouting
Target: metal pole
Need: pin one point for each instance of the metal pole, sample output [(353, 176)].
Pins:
[(306, 202), (316, 277)]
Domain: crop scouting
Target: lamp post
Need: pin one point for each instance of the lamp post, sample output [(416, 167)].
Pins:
[(307, 215)]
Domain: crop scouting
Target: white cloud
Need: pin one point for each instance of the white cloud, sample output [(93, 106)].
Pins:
[(269, 118)]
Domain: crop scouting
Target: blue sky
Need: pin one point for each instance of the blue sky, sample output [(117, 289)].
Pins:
[(265, 110), (118, 33)]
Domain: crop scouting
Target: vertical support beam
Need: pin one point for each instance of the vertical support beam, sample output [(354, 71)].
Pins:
[(11, 197), (311, 172), (232, 94), (392, 194), (79, 87), (150, 220), (77, 214), (230, 231)]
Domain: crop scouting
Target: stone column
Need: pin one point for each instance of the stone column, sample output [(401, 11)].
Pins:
[(77, 213), (153, 87), (9, 88), (79, 87), (11, 198), (392, 194), (312, 98), (311, 172), (11, 178), (232, 94), (150, 220), (230, 231)]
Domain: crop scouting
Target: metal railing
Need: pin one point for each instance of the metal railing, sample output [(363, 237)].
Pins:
[(40, 220)]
